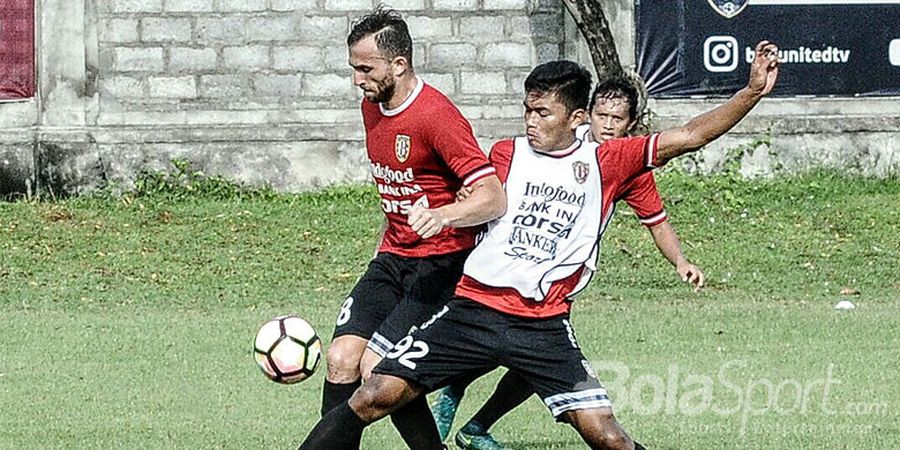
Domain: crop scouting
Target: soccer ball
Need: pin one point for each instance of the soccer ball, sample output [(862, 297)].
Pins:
[(287, 349)]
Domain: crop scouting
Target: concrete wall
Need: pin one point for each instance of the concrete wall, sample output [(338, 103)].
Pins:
[(260, 91)]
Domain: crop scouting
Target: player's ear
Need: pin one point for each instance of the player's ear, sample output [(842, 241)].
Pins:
[(400, 65), (631, 125), (577, 117)]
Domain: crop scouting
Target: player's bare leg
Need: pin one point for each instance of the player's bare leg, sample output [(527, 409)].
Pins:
[(369, 360), (408, 419), (600, 430), (343, 375), (382, 395), (344, 356)]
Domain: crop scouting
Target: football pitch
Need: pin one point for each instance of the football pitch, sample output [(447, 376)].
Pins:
[(127, 322)]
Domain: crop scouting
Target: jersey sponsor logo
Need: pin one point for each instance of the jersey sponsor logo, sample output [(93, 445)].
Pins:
[(582, 170), (535, 241), (390, 175), (399, 191), (402, 206), (554, 193), (728, 8), (401, 147)]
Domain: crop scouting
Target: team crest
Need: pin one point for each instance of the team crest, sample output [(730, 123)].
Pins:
[(401, 147), (728, 8), (581, 170)]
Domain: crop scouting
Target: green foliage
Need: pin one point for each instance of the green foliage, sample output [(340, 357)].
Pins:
[(727, 181), (184, 182)]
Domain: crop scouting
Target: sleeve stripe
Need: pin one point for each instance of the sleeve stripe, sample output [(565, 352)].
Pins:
[(654, 219), (650, 151), (479, 174)]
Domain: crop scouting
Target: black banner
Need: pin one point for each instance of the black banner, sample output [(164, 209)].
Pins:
[(827, 47)]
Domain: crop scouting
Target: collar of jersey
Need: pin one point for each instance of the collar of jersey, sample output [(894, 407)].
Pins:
[(562, 153), (412, 97)]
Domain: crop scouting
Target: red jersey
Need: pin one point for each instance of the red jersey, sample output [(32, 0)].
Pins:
[(642, 196), (621, 163), (640, 193), (421, 153)]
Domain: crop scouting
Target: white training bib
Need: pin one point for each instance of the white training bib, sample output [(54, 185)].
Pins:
[(551, 227)]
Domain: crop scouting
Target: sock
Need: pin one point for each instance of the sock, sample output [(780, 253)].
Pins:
[(457, 389), (638, 446), (511, 392), (340, 429), (334, 395), (416, 425)]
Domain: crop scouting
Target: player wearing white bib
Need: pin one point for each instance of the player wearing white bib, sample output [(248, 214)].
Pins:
[(613, 112), (501, 319)]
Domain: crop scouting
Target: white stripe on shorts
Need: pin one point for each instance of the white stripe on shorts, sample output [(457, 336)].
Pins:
[(569, 401), (379, 344)]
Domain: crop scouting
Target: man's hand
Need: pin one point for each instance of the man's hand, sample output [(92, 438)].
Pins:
[(426, 222), (764, 70), (692, 274)]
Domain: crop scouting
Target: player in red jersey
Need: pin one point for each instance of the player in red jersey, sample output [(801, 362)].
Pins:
[(511, 307), (421, 152), (613, 113)]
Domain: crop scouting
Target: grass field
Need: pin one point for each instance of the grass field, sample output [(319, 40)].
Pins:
[(127, 322)]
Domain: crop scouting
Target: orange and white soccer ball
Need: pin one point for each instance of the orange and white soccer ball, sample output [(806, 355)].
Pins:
[(287, 349)]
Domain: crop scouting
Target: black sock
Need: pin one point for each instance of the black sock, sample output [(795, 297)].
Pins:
[(511, 392), (458, 387), (416, 425), (334, 395), (340, 429), (638, 446)]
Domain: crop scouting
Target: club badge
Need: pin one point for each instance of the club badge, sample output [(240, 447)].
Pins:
[(728, 8), (581, 170), (401, 147)]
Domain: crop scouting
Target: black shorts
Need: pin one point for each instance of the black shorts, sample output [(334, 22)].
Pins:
[(465, 337), (396, 294)]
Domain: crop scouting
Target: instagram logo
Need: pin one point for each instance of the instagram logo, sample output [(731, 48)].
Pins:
[(720, 54)]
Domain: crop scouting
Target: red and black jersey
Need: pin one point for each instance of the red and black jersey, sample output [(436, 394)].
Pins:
[(421, 153)]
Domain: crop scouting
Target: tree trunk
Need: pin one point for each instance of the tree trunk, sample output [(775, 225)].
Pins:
[(592, 23)]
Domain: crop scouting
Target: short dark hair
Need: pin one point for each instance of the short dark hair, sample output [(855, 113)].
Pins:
[(390, 30), (617, 87), (568, 80)]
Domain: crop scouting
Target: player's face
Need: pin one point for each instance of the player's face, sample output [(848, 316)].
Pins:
[(372, 72), (548, 124), (610, 119)]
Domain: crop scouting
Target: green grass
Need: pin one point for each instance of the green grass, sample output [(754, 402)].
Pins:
[(127, 322)]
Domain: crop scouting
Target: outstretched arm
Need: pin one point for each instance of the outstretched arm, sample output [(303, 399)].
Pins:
[(486, 203), (668, 244), (708, 126)]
